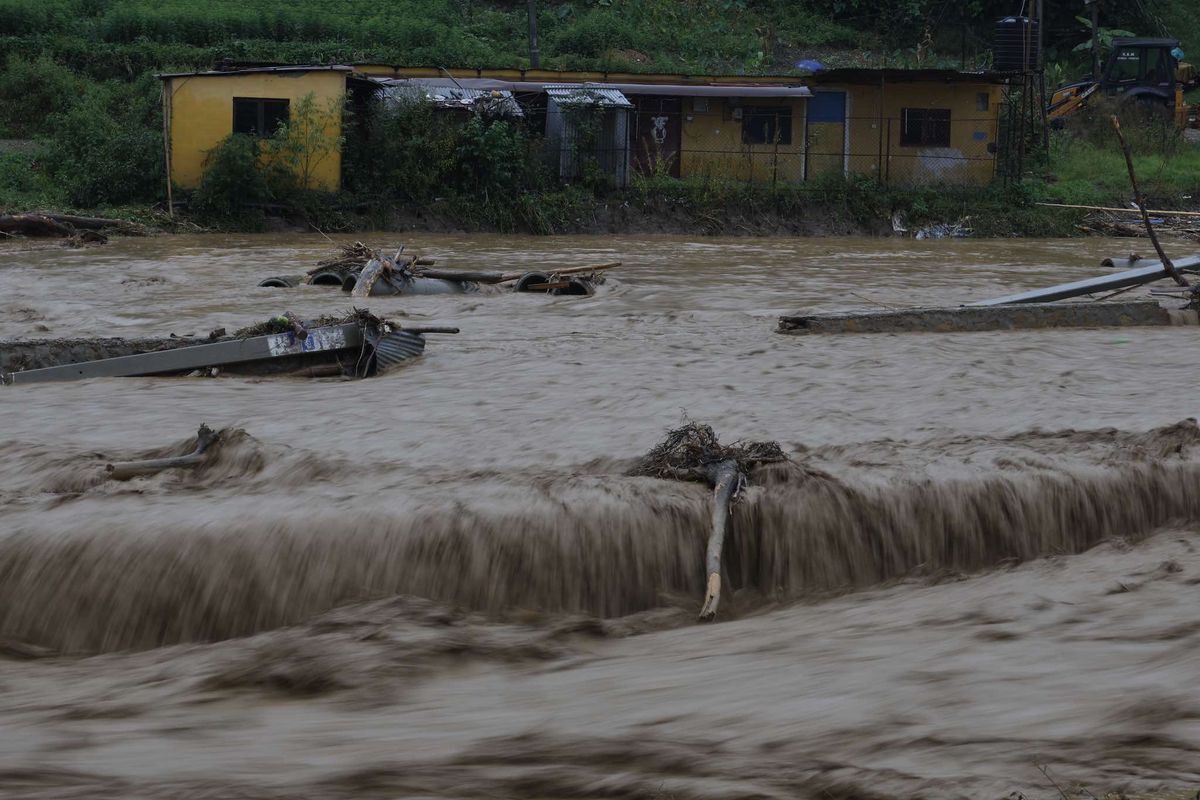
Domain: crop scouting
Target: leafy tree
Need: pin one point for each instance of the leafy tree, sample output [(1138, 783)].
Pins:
[(306, 141)]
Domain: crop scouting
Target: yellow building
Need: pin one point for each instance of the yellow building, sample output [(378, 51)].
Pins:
[(200, 109), (898, 126), (905, 126)]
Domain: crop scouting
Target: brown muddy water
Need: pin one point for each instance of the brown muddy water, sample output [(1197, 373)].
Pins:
[(980, 563)]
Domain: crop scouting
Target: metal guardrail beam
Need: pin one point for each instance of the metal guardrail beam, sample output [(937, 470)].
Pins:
[(257, 348), (1153, 271)]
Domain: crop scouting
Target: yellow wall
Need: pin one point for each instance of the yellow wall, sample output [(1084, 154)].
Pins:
[(712, 144), (201, 115), (966, 161)]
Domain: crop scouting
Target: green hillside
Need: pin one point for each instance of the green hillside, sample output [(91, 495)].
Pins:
[(121, 38)]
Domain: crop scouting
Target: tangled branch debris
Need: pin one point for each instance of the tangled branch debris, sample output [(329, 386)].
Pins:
[(350, 257), (693, 452), (688, 452)]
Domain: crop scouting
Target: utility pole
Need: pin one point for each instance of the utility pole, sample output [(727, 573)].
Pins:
[(1094, 7), (535, 58)]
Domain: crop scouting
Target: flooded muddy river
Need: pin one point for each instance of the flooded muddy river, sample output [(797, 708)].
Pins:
[(979, 563)]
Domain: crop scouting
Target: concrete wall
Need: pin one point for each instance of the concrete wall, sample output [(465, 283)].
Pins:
[(200, 109)]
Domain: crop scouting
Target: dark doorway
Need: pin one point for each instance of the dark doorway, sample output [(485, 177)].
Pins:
[(656, 136)]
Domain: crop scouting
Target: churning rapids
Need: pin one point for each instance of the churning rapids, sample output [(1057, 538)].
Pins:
[(976, 575)]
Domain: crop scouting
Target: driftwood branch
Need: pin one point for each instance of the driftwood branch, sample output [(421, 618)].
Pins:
[(1168, 265), (124, 470)]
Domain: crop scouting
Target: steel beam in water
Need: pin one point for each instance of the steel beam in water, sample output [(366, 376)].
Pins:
[(1153, 271), (258, 348)]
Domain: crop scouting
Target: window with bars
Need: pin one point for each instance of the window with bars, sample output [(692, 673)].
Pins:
[(766, 125), (258, 116), (925, 127)]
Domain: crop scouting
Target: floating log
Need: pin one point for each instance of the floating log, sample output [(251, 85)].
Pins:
[(486, 276), (124, 470), (34, 225), (1141, 313), (92, 223)]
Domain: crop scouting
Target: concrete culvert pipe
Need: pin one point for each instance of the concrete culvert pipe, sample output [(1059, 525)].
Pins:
[(531, 279), (326, 279), (282, 282), (349, 282)]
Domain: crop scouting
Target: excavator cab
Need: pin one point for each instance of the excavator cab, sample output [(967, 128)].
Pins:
[(1138, 69), (1142, 68)]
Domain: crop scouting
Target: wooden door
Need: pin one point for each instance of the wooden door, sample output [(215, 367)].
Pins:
[(825, 134)]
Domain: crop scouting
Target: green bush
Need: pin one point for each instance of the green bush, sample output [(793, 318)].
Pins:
[(30, 91), (107, 147), (495, 157), (399, 152)]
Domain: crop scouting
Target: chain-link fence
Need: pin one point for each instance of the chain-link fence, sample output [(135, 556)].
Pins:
[(773, 144)]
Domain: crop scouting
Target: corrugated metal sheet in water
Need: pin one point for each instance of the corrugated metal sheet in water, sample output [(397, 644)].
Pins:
[(397, 347)]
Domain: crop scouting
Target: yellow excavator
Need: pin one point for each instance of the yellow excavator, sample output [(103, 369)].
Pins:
[(1148, 72)]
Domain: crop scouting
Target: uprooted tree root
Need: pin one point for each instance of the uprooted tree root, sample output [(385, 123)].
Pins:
[(693, 453)]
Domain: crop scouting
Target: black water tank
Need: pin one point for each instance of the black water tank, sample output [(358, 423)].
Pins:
[(1016, 44)]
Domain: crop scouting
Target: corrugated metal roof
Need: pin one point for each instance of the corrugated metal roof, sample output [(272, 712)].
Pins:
[(723, 90), (573, 94), (497, 102), (251, 70)]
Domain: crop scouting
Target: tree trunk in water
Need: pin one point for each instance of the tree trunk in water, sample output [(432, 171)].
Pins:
[(124, 470), (33, 225), (725, 478)]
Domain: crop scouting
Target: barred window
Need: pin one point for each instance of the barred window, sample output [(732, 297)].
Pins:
[(925, 127), (258, 116), (766, 125)]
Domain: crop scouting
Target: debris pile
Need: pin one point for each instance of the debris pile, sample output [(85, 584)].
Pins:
[(1118, 225), (692, 452), (365, 272), (687, 452)]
